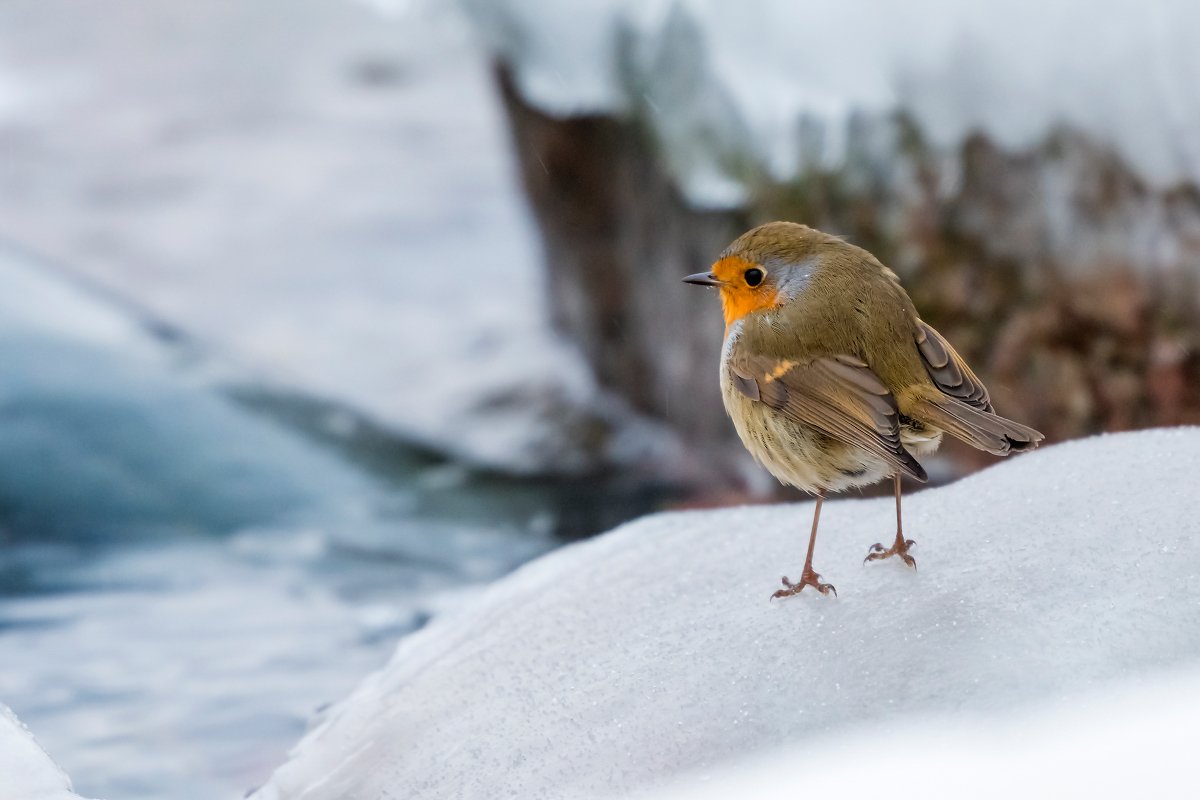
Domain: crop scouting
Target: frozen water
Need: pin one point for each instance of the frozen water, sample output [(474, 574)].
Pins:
[(653, 653), (27, 772), (781, 83), (96, 408)]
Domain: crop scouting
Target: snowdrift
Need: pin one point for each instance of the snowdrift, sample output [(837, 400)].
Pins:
[(26, 772), (652, 654)]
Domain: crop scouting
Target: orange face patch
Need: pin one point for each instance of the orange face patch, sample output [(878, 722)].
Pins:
[(738, 298)]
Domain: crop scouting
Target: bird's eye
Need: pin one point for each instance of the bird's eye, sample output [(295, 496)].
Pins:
[(754, 276)]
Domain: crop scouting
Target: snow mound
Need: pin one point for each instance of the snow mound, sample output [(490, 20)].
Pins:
[(27, 772), (652, 652), (785, 83)]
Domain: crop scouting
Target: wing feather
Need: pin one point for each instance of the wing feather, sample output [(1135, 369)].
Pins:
[(948, 370), (838, 395)]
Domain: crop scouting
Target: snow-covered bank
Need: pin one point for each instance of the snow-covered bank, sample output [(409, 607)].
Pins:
[(652, 652), (786, 84), (26, 772)]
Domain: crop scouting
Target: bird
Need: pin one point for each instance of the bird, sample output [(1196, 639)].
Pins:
[(832, 379)]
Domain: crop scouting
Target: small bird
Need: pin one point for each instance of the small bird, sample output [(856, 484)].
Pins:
[(831, 378)]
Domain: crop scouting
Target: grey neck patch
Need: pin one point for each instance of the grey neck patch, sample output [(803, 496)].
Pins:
[(731, 337), (792, 277)]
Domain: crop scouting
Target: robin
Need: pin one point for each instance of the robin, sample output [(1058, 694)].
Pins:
[(831, 378)]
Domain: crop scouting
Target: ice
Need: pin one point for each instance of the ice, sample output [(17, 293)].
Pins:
[(100, 409), (26, 772), (652, 653), (780, 84)]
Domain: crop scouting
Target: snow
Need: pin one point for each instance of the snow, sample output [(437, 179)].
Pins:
[(783, 83), (322, 193), (652, 653), (28, 773), (1135, 742)]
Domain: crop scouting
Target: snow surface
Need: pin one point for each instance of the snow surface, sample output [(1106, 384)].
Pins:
[(1138, 741), (26, 772), (652, 653), (782, 83)]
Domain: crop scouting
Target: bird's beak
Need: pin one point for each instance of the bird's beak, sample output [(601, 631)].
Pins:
[(703, 279)]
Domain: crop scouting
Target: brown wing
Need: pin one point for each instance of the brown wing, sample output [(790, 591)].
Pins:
[(948, 370), (838, 395)]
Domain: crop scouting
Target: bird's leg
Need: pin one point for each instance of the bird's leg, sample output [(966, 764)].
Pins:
[(901, 545), (808, 577)]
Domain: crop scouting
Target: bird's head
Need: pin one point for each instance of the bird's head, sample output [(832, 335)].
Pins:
[(763, 268)]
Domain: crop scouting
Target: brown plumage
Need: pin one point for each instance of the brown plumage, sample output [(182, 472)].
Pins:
[(831, 378)]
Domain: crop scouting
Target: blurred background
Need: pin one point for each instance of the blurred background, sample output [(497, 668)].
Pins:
[(318, 315)]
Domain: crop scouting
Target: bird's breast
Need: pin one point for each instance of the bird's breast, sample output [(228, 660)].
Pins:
[(796, 454)]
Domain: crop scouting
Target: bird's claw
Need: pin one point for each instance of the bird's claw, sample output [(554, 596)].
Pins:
[(877, 552), (807, 579)]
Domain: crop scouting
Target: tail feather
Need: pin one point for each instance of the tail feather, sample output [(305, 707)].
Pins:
[(980, 429)]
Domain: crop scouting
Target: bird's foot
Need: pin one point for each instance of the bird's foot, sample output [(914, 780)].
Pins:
[(899, 548), (808, 578)]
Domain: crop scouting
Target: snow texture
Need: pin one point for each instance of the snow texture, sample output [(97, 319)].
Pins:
[(26, 772), (1136, 742), (652, 653), (783, 83)]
